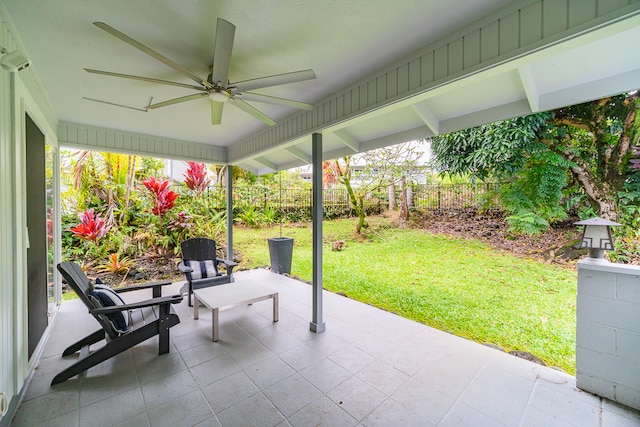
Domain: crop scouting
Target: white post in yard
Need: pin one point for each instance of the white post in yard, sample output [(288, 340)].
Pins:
[(317, 325)]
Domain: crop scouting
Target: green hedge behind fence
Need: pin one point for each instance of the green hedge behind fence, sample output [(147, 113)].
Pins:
[(295, 203)]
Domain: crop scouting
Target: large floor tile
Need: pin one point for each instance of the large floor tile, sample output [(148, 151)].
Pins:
[(369, 368), (292, 394), (187, 410), (255, 411)]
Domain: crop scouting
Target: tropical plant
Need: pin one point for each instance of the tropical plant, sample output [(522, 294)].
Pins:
[(195, 177), (163, 197), (116, 264), (595, 140), (251, 217), (91, 228)]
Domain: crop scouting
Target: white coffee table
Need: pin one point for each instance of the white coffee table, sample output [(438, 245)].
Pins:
[(224, 297)]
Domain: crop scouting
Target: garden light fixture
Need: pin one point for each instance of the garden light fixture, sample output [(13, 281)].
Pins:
[(596, 236)]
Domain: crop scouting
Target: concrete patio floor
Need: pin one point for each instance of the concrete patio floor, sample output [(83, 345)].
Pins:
[(370, 368)]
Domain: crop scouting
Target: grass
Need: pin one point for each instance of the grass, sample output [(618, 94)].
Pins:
[(456, 285)]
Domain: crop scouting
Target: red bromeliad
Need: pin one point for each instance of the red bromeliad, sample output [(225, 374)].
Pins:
[(164, 197), (196, 177), (91, 227)]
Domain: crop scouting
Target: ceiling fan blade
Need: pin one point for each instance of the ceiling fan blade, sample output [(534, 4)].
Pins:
[(178, 100), (248, 96), (144, 110), (216, 112), (225, 33), (278, 79), (249, 109), (144, 79), (125, 38)]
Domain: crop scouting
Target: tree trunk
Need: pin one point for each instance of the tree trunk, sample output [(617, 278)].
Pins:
[(410, 195), (392, 196), (601, 192), (357, 203), (131, 181), (404, 209), (362, 216)]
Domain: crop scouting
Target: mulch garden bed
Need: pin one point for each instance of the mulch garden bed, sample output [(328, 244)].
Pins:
[(553, 246)]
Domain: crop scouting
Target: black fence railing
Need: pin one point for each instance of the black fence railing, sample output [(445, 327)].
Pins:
[(455, 196), (295, 203)]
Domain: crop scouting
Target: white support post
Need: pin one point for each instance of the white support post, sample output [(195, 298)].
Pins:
[(317, 325), (229, 176)]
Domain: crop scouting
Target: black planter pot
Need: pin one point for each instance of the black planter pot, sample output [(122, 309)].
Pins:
[(281, 253)]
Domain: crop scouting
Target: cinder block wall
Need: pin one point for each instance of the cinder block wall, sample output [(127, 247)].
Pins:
[(608, 331)]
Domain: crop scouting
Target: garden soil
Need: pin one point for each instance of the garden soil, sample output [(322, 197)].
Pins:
[(556, 245)]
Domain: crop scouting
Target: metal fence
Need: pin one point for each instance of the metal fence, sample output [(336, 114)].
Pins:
[(295, 203), (455, 196)]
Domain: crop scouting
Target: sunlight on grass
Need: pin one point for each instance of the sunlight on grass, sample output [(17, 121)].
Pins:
[(460, 286)]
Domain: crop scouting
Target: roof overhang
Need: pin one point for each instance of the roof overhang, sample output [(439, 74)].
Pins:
[(418, 69)]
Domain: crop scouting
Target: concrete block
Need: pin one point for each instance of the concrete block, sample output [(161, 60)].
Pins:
[(626, 316), (596, 337), (628, 345), (597, 310), (595, 385), (628, 288), (607, 312), (596, 283), (615, 369), (627, 396)]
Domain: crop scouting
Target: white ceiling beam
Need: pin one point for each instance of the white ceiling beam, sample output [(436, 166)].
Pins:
[(300, 154), (348, 140), (487, 115), (427, 116), (414, 134), (247, 167), (530, 88), (601, 88), (267, 163)]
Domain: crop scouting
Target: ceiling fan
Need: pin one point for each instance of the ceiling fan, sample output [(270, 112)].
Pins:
[(216, 86)]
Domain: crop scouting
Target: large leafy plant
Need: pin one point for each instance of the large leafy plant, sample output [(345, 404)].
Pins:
[(91, 228), (196, 177), (163, 197)]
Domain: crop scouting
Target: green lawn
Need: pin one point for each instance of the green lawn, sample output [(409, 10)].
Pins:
[(460, 286)]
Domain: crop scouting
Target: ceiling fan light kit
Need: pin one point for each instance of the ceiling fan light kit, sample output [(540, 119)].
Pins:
[(216, 87)]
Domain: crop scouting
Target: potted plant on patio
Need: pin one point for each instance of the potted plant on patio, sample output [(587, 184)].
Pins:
[(281, 248)]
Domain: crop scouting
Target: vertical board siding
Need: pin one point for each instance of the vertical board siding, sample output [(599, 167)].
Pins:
[(581, 11), (391, 84), (509, 32), (455, 53), (415, 72), (14, 357), (403, 79), (489, 42), (440, 63), (531, 24), (471, 49), (7, 310), (607, 6), (555, 18), (92, 138), (505, 34), (427, 68)]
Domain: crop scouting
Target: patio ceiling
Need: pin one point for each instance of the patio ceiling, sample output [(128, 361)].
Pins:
[(387, 72)]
